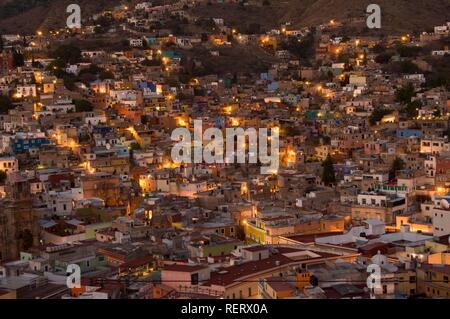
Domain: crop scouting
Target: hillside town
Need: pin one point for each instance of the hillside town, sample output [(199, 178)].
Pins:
[(88, 178)]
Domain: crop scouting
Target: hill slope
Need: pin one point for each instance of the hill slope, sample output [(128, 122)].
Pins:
[(27, 16), (397, 15)]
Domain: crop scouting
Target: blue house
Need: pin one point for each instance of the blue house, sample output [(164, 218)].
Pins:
[(151, 40), (172, 54), (21, 145), (266, 77), (406, 133), (273, 86), (147, 86), (102, 129)]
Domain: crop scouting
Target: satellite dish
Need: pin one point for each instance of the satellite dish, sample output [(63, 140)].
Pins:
[(108, 146), (445, 203)]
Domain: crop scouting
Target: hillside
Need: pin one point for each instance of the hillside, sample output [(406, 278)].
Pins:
[(27, 16), (397, 15)]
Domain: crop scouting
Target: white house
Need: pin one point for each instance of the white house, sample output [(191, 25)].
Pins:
[(136, 42), (441, 218)]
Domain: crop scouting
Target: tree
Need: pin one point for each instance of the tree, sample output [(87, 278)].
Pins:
[(106, 75), (27, 239), (133, 147), (5, 104), (397, 165), (303, 49), (254, 28), (153, 62), (2, 177), (292, 131), (383, 58), (379, 48), (437, 113), (69, 82), (68, 54), (92, 69), (405, 94), (408, 51), (18, 59), (377, 115), (83, 105), (328, 175), (412, 109), (447, 134), (402, 67)]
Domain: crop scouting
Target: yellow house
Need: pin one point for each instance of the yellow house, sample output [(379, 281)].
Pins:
[(413, 226), (48, 88), (435, 247), (433, 280), (303, 279), (116, 165), (143, 138), (275, 288), (439, 259), (406, 282), (268, 230), (323, 151), (268, 41), (255, 231)]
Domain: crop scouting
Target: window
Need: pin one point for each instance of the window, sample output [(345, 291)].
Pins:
[(446, 279), (194, 280)]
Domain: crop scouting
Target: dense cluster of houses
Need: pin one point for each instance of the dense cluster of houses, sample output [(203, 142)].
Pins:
[(87, 176)]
